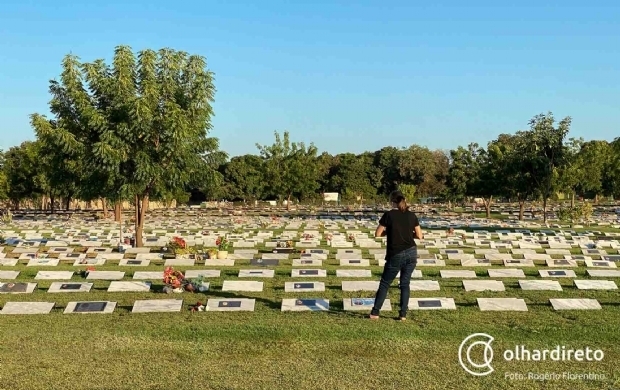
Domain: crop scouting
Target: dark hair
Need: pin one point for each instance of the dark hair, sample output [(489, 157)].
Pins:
[(398, 198)]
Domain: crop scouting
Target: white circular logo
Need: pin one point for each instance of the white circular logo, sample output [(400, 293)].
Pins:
[(468, 346)]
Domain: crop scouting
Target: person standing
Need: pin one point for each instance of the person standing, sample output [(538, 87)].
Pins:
[(401, 226)]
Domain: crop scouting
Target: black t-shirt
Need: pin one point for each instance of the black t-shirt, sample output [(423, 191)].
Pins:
[(400, 230)]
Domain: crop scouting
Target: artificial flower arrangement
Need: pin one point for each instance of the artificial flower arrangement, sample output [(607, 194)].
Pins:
[(285, 244), (329, 237), (308, 236), (222, 244), (351, 237), (176, 282), (212, 253)]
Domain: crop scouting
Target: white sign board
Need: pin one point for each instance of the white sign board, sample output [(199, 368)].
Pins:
[(331, 196)]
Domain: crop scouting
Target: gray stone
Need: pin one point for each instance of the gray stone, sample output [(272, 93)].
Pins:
[(552, 285), (90, 307), (68, 287), (600, 264), (430, 263), (219, 262), (129, 286), (54, 275), (305, 262), (501, 304), (27, 308), (9, 275), (105, 275), (179, 262), (506, 273), (17, 288), (560, 273), (483, 285), (603, 273), (575, 304), (359, 304), (562, 263), (432, 304), (353, 273), (303, 286), (457, 274), (596, 285), (43, 262), (312, 304), (354, 263), (205, 273), (308, 273), (233, 304), (475, 263), (157, 305), (424, 285), (518, 263), (257, 273), (234, 285), (367, 285), (148, 275)]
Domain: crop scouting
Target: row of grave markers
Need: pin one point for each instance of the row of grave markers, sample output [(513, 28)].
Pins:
[(313, 286), (313, 304)]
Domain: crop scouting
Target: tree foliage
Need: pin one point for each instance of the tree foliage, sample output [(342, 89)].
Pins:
[(139, 126)]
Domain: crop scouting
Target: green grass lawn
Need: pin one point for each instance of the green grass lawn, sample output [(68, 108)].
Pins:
[(270, 349)]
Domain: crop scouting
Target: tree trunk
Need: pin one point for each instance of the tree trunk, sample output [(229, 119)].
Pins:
[(596, 199), (104, 206), (544, 209), (487, 206), (52, 201), (67, 203), (572, 200), (117, 211), (141, 204), (521, 209), (288, 202)]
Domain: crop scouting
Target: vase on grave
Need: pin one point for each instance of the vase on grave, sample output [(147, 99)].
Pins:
[(222, 254)]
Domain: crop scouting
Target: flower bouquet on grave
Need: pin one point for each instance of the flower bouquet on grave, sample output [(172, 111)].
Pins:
[(222, 243), (176, 244), (197, 307), (222, 247), (308, 237), (351, 237), (289, 244), (212, 253), (173, 280), (329, 237), (281, 244)]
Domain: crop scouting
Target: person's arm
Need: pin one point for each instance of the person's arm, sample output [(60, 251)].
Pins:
[(417, 230), (380, 232), (418, 233)]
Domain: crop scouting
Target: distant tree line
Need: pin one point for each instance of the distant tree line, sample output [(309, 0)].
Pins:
[(137, 130)]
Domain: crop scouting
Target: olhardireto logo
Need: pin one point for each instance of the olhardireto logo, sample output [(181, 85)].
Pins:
[(476, 354)]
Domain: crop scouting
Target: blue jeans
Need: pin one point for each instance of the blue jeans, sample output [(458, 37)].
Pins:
[(403, 262)]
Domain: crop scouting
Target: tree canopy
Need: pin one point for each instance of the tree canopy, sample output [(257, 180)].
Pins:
[(138, 129)]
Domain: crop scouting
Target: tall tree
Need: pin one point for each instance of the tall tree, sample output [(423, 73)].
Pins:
[(244, 177), (611, 176), (387, 161), (24, 173), (545, 143), (291, 168), (141, 122), (462, 173), (352, 177), (516, 183)]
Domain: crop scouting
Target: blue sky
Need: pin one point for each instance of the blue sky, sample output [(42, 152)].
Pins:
[(348, 76)]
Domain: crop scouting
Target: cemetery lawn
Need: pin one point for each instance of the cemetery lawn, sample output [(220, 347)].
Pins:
[(269, 349)]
